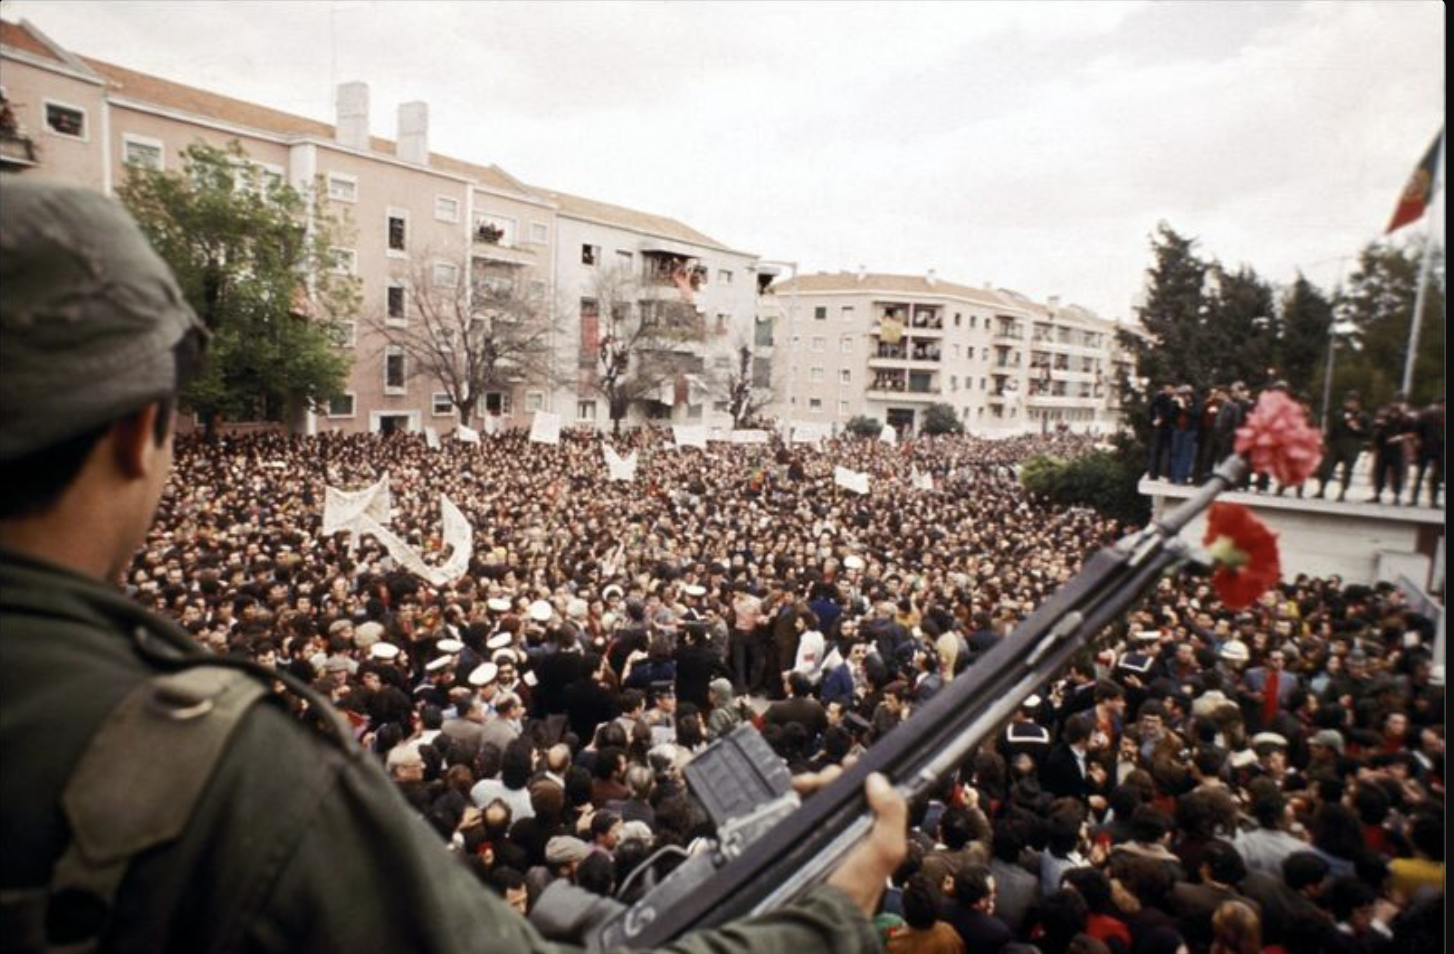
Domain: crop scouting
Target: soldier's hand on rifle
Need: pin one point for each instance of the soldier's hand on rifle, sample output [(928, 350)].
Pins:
[(868, 866)]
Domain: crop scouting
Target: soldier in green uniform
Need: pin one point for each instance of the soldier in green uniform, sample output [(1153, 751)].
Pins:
[(1347, 436), (154, 798)]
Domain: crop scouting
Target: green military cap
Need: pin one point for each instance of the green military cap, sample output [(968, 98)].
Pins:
[(89, 315)]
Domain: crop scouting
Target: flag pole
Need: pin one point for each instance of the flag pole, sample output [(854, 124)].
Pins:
[(1413, 350)]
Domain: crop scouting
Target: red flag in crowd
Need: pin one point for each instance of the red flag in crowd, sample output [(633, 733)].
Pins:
[(1420, 189)]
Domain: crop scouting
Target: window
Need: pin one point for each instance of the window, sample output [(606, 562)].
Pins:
[(539, 233), (497, 403), (842, 408), (625, 259), (590, 255), (142, 152), (345, 332), (845, 376), (394, 372), (816, 375), (534, 401), (820, 313), (845, 344), (724, 277), (446, 275), (585, 410), (973, 321), (968, 351), (345, 261), (958, 319), (797, 340), (847, 312), (342, 188), (440, 404), (815, 404), (397, 308), (446, 209), (341, 406), (820, 344), (65, 120), (398, 229), (495, 230)]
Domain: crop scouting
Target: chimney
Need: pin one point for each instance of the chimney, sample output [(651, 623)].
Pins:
[(352, 107), (1053, 302), (930, 277), (413, 145), (862, 273)]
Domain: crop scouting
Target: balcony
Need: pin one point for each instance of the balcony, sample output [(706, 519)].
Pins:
[(932, 396)]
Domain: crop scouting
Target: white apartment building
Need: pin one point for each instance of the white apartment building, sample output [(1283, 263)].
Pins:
[(606, 251), (891, 346)]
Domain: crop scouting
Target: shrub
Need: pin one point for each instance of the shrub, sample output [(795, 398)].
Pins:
[(941, 419), (865, 426)]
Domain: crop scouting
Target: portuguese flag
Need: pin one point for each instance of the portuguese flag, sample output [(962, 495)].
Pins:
[(1420, 189)]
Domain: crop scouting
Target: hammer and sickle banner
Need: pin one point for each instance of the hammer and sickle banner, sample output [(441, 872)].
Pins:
[(458, 535), (545, 428), (618, 467), (850, 480), (343, 509), (890, 331), (888, 434)]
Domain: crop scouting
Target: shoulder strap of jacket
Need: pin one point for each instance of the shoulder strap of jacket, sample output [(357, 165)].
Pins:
[(136, 787)]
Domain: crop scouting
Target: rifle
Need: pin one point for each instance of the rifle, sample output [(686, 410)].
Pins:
[(770, 849)]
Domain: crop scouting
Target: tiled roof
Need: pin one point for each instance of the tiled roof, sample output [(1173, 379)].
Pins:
[(659, 225), (905, 284), (18, 37), (199, 102)]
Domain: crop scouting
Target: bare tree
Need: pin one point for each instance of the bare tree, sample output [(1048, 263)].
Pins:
[(635, 345), (746, 398), (486, 329)]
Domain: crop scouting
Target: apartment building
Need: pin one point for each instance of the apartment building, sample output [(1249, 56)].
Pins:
[(891, 346), (606, 252), (416, 223)]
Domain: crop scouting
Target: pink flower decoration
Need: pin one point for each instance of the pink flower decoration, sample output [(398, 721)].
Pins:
[(1278, 440)]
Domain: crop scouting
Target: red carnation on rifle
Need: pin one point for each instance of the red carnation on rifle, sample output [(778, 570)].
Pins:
[(1244, 552), (1278, 440)]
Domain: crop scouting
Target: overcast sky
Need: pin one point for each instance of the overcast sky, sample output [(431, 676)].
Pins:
[(1031, 144)]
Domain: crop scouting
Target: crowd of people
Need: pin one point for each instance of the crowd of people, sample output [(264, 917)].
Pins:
[(1191, 433), (1200, 780)]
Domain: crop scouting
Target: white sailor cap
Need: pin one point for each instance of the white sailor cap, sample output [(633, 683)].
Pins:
[(692, 589), (483, 674), (438, 663), (498, 605), (384, 651), (541, 611), (853, 562), (450, 646), (499, 641)]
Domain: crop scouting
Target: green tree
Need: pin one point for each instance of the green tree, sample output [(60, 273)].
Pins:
[(1239, 338), (1174, 316), (255, 260), (864, 426), (941, 419), (1377, 303), (1307, 320)]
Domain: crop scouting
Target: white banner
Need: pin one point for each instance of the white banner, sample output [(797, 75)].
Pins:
[(545, 428), (618, 467), (342, 509), (690, 435), (747, 436), (492, 425), (458, 534), (466, 436), (888, 435), (431, 438), (850, 480), (807, 433), (921, 481)]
